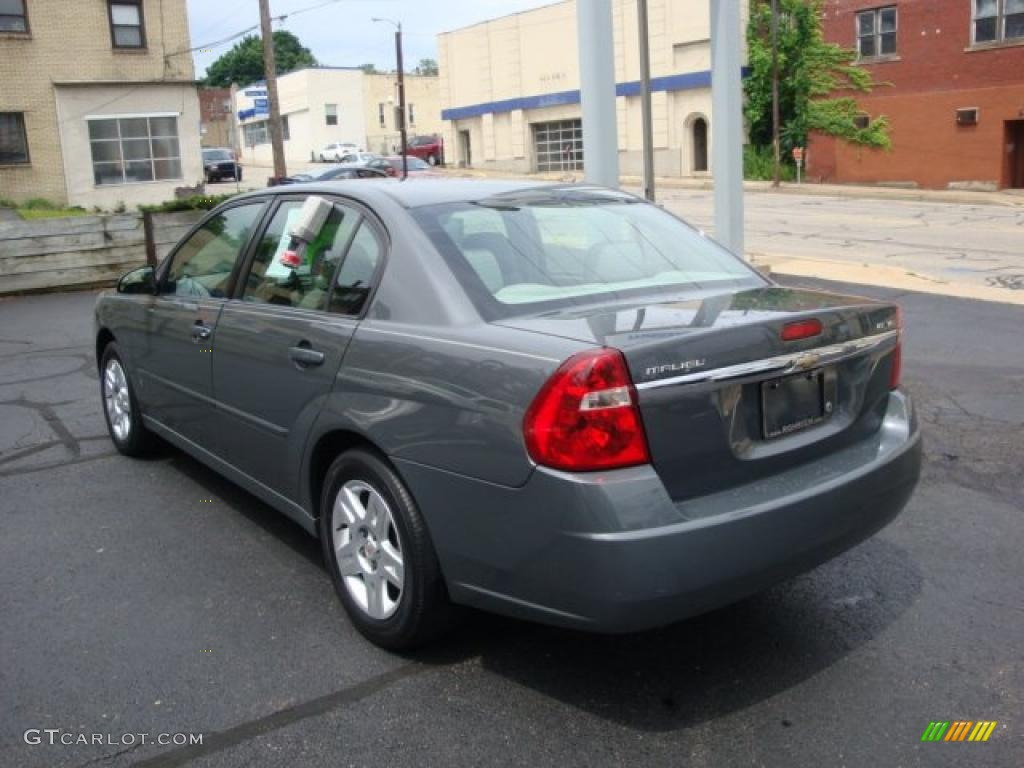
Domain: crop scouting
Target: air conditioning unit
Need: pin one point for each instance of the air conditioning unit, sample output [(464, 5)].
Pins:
[(967, 116)]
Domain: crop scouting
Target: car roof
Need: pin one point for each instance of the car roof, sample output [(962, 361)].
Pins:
[(414, 193)]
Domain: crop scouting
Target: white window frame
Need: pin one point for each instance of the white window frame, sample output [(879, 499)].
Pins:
[(331, 110), (558, 145), (1000, 17), (150, 137), (876, 33)]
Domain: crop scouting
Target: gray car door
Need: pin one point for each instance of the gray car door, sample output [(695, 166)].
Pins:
[(174, 358), (280, 342)]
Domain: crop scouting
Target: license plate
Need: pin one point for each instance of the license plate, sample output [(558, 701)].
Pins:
[(794, 403)]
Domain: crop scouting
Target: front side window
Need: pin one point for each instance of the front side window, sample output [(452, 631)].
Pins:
[(127, 27), (331, 113), (308, 285), (12, 16), (998, 20), (535, 251), (202, 266), (13, 139), (133, 150), (876, 33)]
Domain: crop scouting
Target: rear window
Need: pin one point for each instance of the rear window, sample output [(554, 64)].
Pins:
[(217, 155), (535, 251)]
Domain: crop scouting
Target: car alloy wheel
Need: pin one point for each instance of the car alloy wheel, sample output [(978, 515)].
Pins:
[(117, 400), (368, 550)]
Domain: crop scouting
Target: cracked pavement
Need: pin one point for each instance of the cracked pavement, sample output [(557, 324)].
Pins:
[(154, 596), (959, 249)]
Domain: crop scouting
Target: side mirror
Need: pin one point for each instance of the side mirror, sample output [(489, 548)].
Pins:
[(138, 281)]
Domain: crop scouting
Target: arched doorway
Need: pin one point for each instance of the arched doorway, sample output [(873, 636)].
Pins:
[(700, 145)]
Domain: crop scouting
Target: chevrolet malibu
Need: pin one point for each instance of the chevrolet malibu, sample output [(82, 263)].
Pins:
[(559, 403)]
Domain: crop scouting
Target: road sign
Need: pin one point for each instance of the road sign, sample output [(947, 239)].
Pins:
[(798, 154)]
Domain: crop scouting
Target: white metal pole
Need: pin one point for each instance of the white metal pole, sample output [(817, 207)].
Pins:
[(597, 92), (727, 123)]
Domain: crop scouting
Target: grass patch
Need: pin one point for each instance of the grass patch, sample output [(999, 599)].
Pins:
[(32, 214)]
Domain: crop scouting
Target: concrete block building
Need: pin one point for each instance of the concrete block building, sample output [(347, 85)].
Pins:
[(510, 89), (98, 103), (952, 86), (325, 105)]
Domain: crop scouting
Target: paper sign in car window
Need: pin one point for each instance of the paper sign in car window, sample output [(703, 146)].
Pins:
[(276, 269)]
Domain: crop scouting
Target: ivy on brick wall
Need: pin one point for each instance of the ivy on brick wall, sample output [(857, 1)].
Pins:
[(818, 81)]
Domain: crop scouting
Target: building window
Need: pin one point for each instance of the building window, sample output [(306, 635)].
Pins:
[(12, 16), (133, 150), (412, 114), (127, 26), (331, 111), (876, 33), (998, 20), (13, 139), (259, 133), (559, 145), (380, 115)]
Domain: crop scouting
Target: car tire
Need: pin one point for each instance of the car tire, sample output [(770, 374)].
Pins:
[(120, 406), (432, 160), (380, 555), (323, 159)]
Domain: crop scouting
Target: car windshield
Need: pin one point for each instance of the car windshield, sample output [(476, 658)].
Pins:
[(217, 155), (547, 249)]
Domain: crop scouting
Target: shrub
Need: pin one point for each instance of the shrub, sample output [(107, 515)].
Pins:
[(758, 163), (195, 203)]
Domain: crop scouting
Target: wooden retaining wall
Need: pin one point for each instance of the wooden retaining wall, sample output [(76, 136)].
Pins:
[(77, 252)]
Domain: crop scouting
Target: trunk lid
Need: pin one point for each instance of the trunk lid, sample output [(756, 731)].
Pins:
[(724, 399)]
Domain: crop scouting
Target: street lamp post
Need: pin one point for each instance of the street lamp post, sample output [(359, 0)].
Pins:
[(404, 137)]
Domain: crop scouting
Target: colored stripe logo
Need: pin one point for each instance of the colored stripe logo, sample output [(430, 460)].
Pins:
[(959, 730)]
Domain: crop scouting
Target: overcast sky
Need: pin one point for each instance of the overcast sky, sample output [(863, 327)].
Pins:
[(341, 33)]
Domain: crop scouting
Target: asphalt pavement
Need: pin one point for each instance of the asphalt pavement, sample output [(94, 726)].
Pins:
[(155, 597)]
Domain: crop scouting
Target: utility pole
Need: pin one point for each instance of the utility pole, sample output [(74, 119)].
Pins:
[(402, 130), (597, 92), (645, 99), (727, 128), (776, 146), (270, 69)]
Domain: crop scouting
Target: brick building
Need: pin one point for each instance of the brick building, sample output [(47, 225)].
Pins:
[(98, 102), (955, 99), (215, 117)]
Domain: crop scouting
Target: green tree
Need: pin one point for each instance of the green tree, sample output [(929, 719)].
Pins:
[(243, 64), (370, 69), (818, 81), (426, 67)]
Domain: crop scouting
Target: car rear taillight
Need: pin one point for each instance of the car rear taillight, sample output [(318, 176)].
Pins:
[(896, 359), (801, 329), (585, 417)]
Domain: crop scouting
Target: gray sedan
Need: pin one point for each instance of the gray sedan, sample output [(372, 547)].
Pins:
[(559, 403)]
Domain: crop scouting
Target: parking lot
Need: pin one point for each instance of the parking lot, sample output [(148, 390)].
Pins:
[(155, 597)]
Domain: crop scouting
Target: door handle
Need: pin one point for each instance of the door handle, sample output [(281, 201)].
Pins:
[(305, 357), (201, 332)]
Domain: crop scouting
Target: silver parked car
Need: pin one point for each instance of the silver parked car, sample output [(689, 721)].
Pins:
[(559, 403)]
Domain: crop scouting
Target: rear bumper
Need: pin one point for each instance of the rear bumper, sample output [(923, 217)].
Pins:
[(612, 553)]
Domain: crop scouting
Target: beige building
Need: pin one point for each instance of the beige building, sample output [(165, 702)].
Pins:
[(327, 105), (97, 102), (510, 89)]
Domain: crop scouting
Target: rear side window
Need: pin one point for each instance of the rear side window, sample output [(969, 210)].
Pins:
[(355, 279), (541, 250), (202, 266), (308, 285)]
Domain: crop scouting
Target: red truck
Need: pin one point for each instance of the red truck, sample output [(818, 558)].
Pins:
[(428, 148)]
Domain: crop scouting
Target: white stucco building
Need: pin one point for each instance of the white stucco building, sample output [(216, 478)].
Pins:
[(325, 105), (510, 89)]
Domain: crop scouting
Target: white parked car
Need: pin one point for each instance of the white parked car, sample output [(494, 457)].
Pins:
[(359, 156), (334, 153)]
